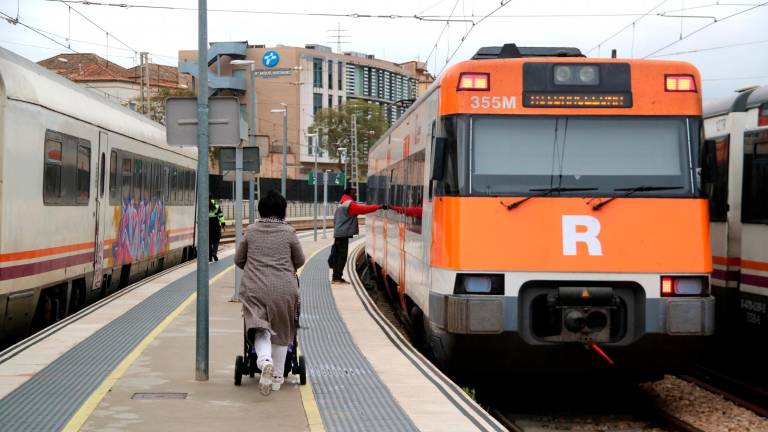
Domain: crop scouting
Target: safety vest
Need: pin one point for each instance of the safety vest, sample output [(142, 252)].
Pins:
[(216, 212)]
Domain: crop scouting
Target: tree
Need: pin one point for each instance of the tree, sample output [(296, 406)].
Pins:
[(334, 127)]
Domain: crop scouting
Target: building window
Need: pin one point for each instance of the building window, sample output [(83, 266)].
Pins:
[(339, 74), (330, 74), (341, 100), (317, 102), (330, 101), (317, 72)]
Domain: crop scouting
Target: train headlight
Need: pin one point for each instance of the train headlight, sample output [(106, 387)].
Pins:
[(683, 286), (576, 74), (479, 284)]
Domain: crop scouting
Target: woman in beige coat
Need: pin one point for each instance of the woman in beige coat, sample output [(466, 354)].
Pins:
[(269, 255)]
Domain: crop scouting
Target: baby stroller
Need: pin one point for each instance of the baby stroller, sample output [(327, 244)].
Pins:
[(246, 364)]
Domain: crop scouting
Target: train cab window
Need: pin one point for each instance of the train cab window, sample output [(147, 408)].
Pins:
[(127, 180), (754, 198), (113, 186), (52, 171), (83, 174)]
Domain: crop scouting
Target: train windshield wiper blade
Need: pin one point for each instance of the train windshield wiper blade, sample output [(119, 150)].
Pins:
[(630, 191), (544, 192)]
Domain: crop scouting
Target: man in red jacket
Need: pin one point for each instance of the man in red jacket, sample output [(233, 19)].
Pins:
[(345, 227)]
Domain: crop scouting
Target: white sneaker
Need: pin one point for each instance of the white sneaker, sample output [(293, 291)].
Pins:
[(265, 381), (277, 382)]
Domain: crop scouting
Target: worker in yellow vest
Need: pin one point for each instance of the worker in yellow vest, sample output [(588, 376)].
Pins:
[(215, 225)]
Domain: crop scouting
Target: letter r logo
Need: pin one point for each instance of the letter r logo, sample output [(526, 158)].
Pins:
[(582, 229)]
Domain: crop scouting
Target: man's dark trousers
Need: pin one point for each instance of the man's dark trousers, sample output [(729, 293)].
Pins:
[(342, 248)]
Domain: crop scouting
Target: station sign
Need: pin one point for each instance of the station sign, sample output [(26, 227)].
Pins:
[(334, 178), (250, 159), (223, 121), (272, 73)]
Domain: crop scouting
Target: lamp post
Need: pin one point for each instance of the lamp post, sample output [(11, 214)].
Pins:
[(284, 174), (314, 175), (343, 151), (252, 129)]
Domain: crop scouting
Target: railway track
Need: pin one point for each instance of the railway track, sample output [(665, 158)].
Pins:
[(741, 393)]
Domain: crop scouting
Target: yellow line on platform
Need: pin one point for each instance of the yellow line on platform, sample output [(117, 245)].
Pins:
[(81, 416), (311, 409)]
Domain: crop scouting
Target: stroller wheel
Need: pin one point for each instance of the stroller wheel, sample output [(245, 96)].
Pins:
[(302, 370), (239, 370)]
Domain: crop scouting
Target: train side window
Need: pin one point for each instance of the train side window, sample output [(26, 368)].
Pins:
[(174, 178), (137, 174), (718, 189), (83, 173), (52, 171), (102, 173), (157, 183), (113, 187), (754, 199), (146, 180), (166, 184), (194, 187), (127, 179)]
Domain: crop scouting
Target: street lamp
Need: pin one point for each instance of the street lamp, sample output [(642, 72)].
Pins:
[(343, 151), (252, 131), (314, 174), (284, 175)]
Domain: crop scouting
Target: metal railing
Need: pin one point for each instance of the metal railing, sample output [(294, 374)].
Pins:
[(296, 209)]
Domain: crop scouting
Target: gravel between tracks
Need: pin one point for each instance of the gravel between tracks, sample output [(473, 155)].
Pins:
[(708, 411)]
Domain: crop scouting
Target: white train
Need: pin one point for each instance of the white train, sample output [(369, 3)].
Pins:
[(737, 126), (91, 198)]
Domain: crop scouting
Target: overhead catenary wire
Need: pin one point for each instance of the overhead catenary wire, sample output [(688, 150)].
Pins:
[(14, 21), (658, 5), (96, 25), (698, 50), (474, 24), (704, 27)]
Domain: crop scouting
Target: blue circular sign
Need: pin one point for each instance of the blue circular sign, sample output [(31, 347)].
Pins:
[(270, 59)]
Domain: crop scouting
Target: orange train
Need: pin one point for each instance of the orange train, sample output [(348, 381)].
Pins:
[(542, 202)]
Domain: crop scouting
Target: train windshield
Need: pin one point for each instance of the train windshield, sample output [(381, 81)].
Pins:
[(512, 155)]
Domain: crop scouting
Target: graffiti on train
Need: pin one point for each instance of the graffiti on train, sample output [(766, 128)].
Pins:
[(141, 230)]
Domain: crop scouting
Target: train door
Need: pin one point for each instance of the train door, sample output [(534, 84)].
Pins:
[(102, 203)]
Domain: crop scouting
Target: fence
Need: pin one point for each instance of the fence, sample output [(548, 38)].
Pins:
[(296, 209)]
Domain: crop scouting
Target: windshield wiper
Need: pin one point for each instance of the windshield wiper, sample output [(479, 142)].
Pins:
[(630, 191), (542, 193)]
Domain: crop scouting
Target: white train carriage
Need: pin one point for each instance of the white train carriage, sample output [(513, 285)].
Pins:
[(737, 126), (91, 197)]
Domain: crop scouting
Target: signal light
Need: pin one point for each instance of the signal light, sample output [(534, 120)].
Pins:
[(679, 83), (762, 115), (683, 286), (667, 286), (474, 81)]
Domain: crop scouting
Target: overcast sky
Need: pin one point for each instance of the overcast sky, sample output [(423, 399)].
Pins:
[(581, 23)]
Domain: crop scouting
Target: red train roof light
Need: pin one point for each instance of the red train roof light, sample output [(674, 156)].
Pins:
[(474, 81), (679, 83)]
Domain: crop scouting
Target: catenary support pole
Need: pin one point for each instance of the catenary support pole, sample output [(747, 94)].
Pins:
[(284, 176), (315, 177), (201, 336), (325, 200), (253, 127), (238, 212)]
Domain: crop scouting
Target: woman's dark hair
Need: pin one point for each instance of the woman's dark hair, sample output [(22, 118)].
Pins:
[(211, 206), (272, 205)]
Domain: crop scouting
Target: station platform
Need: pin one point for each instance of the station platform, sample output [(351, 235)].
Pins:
[(127, 363)]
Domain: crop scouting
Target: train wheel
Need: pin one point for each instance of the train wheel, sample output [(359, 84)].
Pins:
[(239, 370)]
